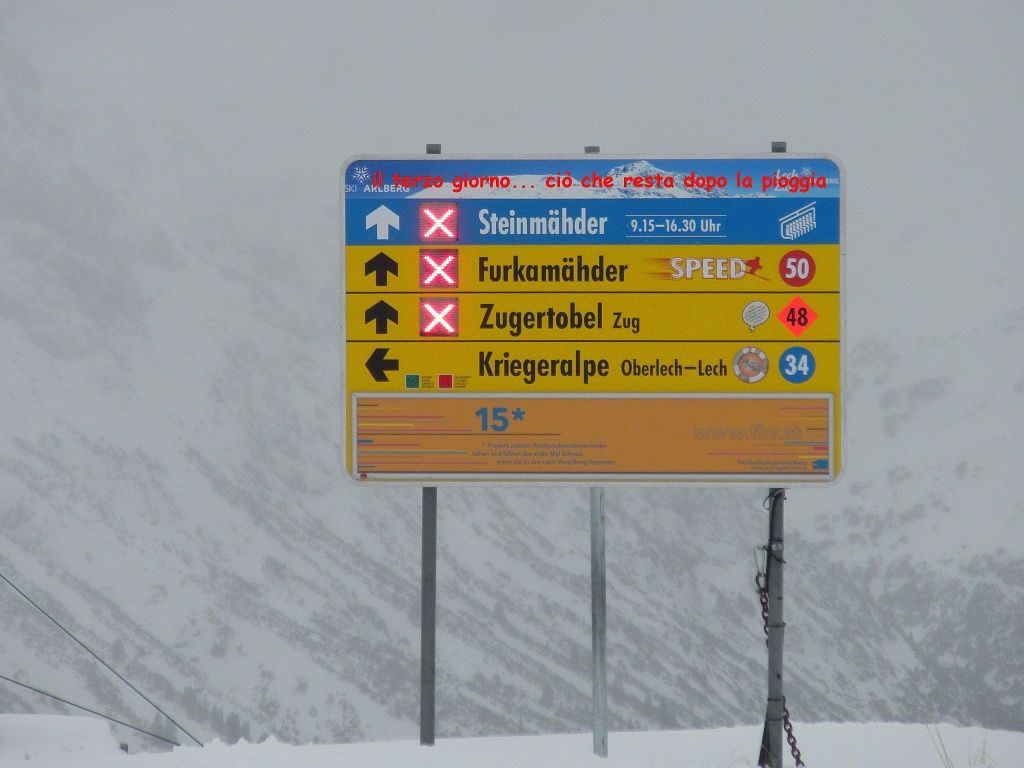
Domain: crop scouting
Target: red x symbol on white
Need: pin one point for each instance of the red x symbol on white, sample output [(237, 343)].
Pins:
[(439, 270), (439, 319), (438, 223)]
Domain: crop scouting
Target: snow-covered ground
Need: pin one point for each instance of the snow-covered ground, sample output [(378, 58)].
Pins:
[(63, 742)]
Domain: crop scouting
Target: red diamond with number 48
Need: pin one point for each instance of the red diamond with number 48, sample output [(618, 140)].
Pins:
[(797, 316)]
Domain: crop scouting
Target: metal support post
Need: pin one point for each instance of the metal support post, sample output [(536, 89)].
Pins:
[(428, 617), (598, 602), (771, 741), (598, 625), (428, 597)]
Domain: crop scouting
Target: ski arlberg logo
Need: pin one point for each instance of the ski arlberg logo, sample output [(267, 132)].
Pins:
[(367, 178), (360, 174)]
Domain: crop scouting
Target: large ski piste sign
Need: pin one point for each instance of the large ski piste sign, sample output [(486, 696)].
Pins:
[(592, 319)]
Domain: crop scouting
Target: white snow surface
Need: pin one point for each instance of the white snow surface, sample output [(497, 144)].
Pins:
[(79, 742), (55, 740)]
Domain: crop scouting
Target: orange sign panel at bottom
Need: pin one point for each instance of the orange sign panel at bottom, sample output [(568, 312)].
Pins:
[(660, 437)]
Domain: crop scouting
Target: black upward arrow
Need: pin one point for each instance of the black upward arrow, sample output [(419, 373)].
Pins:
[(382, 312), (378, 363), (382, 264)]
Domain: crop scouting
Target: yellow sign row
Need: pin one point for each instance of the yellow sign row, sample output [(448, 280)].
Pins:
[(589, 367), (614, 318), (592, 268)]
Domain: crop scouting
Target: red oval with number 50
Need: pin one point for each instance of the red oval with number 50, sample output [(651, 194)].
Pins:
[(797, 268)]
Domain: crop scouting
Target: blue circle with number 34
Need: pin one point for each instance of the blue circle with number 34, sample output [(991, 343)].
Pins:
[(796, 365)]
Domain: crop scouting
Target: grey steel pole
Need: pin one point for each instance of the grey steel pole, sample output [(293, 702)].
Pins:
[(771, 747), (598, 602), (597, 621), (428, 606), (428, 617)]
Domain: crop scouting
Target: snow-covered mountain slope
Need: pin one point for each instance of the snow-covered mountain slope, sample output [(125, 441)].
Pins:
[(170, 472), (172, 489)]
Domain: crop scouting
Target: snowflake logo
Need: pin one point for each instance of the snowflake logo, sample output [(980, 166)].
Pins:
[(360, 174)]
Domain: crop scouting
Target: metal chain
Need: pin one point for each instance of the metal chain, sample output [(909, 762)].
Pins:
[(787, 724), (761, 583)]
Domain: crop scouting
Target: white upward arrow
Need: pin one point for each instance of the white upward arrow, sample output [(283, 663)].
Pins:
[(382, 217)]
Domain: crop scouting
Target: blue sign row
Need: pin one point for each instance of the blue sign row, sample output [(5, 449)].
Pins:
[(777, 175), (498, 221), (775, 199)]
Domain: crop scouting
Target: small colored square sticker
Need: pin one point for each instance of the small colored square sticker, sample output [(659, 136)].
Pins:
[(412, 381), (445, 381)]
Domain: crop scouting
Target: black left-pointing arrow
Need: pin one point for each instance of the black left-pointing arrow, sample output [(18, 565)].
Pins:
[(379, 266), (379, 362), (382, 312)]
